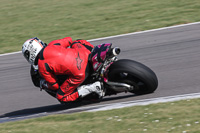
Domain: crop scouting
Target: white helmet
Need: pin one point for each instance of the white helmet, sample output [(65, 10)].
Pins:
[(31, 49)]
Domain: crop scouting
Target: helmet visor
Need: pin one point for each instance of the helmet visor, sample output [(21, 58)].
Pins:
[(27, 55)]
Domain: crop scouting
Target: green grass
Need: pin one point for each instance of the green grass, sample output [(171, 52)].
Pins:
[(87, 19), (176, 117)]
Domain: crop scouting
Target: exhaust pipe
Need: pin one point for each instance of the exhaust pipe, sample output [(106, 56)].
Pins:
[(116, 51)]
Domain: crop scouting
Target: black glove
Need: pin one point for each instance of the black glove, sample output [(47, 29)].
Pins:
[(35, 76), (43, 84)]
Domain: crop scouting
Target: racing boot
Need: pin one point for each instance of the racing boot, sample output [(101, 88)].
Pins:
[(87, 89)]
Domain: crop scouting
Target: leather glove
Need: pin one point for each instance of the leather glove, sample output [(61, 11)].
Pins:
[(43, 84)]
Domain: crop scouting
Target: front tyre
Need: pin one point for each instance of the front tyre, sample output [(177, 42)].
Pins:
[(142, 78)]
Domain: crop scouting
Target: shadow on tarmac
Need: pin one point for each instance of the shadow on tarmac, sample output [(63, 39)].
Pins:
[(60, 107)]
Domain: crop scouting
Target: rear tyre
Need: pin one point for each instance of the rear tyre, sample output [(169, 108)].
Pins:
[(142, 78)]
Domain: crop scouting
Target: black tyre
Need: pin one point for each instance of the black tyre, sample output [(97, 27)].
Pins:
[(134, 73)]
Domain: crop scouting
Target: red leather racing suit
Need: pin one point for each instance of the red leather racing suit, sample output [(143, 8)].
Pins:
[(57, 59)]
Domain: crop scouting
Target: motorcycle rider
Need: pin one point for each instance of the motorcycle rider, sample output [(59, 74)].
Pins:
[(61, 57)]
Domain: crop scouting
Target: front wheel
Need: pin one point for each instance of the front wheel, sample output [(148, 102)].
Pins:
[(142, 78)]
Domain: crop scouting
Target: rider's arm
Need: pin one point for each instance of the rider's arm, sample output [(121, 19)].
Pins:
[(65, 42), (49, 77), (51, 81)]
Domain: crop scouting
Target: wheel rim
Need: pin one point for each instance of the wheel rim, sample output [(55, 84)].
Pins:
[(130, 79)]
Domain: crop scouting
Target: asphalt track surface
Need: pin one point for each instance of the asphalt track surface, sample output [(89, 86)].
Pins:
[(172, 53)]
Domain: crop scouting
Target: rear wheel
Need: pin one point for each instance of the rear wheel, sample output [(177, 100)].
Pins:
[(142, 78)]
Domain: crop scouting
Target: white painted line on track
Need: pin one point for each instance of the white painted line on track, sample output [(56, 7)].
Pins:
[(111, 106), (144, 102), (10, 53), (133, 33)]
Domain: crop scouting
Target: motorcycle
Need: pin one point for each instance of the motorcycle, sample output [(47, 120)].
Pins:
[(117, 75)]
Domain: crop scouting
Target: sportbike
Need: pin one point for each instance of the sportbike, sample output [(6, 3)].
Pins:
[(117, 75)]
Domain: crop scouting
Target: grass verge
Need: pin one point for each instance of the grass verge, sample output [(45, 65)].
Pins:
[(177, 117), (88, 19)]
